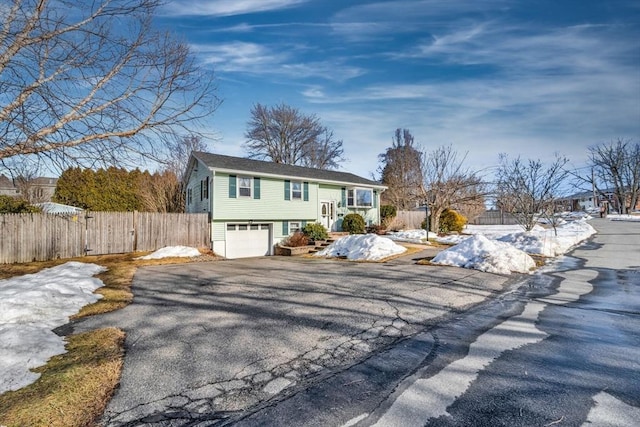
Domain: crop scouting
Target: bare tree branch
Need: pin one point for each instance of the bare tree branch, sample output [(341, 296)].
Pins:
[(448, 183), (615, 168), (529, 189), (282, 134), (93, 82)]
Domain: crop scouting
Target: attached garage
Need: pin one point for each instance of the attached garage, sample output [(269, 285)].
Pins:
[(248, 240)]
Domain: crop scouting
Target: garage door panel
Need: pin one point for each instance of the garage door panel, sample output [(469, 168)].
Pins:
[(248, 240)]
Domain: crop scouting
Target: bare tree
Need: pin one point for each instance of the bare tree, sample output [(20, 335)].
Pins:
[(282, 134), (528, 189), (401, 171), (92, 82), (179, 151), (448, 183), (616, 168)]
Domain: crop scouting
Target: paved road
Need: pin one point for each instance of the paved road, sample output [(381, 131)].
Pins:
[(562, 350), (206, 341)]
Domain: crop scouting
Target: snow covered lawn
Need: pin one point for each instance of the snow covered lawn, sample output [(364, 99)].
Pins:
[(31, 306), (411, 236)]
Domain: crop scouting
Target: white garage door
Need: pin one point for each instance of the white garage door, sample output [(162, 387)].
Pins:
[(248, 240)]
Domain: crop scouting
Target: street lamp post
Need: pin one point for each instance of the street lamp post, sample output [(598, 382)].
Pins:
[(426, 209)]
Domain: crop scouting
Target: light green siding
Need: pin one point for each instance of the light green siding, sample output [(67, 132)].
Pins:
[(270, 206)]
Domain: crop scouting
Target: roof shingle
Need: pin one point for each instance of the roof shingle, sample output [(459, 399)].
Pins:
[(219, 161)]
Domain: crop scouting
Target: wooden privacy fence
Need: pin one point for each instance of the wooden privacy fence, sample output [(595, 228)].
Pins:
[(41, 237), (413, 219), (408, 220), (494, 218)]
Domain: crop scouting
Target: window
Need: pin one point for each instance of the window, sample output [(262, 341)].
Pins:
[(189, 196), (359, 197), (206, 188), (244, 186), (296, 190), (294, 226)]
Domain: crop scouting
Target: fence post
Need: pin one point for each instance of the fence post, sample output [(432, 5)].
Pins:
[(135, 231)]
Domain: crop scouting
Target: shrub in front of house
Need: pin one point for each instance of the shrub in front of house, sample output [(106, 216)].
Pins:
[(296, 239), (315, 231), (387, 214), (452, 221), (353, 224)]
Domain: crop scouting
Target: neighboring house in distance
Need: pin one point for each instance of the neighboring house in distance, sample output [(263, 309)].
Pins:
[(38, 190), (35, 190), (254, 204), (7, 188), (586, 202)]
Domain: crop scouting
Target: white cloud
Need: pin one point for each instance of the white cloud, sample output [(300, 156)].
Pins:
[(254, 58), (226, 7), (371, 21), (239, 56)]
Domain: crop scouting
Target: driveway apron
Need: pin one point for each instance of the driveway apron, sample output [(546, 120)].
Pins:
[(207, 338)]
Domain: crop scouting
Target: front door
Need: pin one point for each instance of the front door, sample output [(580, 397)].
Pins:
[(327, 214)]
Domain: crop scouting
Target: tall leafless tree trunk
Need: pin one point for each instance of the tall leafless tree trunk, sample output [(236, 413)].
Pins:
[(92, 82), (528, 188)]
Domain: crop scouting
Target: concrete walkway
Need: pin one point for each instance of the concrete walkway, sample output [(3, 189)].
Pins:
[(207, 338)]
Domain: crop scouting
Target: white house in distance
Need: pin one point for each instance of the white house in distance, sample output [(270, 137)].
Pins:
[(254, 204)]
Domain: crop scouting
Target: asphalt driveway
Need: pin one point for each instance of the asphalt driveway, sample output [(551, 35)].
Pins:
[(205, 338)]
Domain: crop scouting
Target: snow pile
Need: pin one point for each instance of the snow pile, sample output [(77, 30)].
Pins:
[(480, 253), (31, 306), (172, 251), (616, 217), (546, 243), (500, 249), (368, 247), (411, 236)]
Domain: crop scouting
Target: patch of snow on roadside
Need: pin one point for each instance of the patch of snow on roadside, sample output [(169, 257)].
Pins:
[(31, 306), (172, 251), (481, 253), (616, 217), (369, 247)]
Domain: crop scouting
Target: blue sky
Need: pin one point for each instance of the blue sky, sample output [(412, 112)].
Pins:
[(525, 78)]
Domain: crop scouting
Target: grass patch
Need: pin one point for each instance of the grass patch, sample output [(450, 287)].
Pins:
[(75, 387)]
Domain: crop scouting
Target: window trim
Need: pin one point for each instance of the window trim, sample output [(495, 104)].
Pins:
[(249, 187), (352, 197), (301, 191), (293, 229)]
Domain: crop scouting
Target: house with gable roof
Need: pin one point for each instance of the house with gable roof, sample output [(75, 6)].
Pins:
[(254, 204)]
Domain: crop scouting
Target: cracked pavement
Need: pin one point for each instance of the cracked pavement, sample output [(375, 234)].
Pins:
[(206, 340)]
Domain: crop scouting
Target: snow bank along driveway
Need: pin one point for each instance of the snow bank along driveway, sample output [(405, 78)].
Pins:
[(31, 306)]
